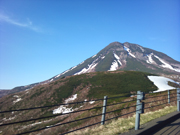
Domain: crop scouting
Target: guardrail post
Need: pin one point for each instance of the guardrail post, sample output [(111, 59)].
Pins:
[(104, 110), (178, 99), (139, 108), (168, 96)]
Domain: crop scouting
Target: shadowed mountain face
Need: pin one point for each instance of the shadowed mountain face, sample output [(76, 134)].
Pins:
[(121, 56)]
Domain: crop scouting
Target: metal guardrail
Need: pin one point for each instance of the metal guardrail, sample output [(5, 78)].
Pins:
[(139, 110)]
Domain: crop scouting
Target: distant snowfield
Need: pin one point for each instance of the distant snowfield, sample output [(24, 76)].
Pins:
[(161, 83), (164, 64)]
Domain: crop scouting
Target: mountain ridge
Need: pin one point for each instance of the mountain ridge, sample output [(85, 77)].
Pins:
[(119, 56)]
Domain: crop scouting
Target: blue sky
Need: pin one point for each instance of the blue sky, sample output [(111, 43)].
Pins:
[(42, 38)]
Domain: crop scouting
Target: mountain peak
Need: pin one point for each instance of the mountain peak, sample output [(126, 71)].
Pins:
[(122, 56), (126, 56)]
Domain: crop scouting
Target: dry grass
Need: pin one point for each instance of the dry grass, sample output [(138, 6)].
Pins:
[(124, 124)]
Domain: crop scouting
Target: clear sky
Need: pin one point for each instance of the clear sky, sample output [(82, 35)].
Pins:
[(42, 38)]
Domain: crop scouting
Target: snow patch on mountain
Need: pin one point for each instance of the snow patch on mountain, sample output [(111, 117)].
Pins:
[(166, 65), (89, 69), (141, 48), (161, 83), (150, 60), (51, 80), (18, 99), (36, 123), (73, 67), (8, 119), (114, 66), (63, 108), (129, 52), (94, 56), (57, 76), (65, 72), (102, 57), (81, 63), (118, 58), (71, 98), (91, 102)]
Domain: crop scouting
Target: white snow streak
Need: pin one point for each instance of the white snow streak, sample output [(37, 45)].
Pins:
[(161, 83), (166, 65), (81, 63), (11, 118), (30, 125), (141, 48), (71, 98), (51, 80), (118, 58), (17, 100), (63, 108), (73, 67), (114, 66), (66, 71), (94, 56), (91, 102), (90, 67), (129, 52), (150, 60), (103, 57), (57, 76)]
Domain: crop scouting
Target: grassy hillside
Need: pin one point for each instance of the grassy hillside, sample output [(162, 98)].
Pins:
[(86, 86), (96, 85)]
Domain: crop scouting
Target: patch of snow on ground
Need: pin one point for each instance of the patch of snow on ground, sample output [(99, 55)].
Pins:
[(63, 109), (17, 100), (161, 83), (11, 118), (71, 98), (29, 89), (114, 66), (129, 52), (91, 102), (30, 125), (166, 65)]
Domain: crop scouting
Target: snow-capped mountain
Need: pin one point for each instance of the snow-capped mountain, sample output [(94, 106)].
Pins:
[(125, 56), (121, 56)]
